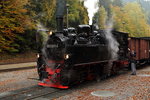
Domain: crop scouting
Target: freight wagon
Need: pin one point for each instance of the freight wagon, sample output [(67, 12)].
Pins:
[(141, 46)]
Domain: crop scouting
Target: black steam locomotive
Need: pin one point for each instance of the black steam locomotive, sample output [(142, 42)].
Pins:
[(71, 56)]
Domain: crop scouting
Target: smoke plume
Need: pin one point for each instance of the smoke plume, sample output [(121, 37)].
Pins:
[(113, 45), (92, 7), (41, 33), (42, 38)]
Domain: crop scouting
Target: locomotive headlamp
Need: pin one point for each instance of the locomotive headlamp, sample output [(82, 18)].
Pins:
[(50, 33), (38, 55), (66, 56)]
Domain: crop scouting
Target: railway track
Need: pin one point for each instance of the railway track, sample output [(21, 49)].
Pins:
[(28, 93), (40, 93), (18, 66)]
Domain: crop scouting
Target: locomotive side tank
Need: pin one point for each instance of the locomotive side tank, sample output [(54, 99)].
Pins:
[(85, 50)]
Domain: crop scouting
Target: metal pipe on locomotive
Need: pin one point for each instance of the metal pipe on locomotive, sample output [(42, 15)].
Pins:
[(72, 56)]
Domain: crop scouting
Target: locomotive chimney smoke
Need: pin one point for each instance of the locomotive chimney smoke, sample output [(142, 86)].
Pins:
[(61, 6), (113, 45), (41, 35), (92, 7), (41, 39)]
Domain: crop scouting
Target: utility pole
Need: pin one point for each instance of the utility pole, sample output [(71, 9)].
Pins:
[(67, 20)]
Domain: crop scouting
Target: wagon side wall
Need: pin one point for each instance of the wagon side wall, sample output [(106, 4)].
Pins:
[(141, 47)]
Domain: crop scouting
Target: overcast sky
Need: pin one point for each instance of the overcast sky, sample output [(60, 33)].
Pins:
[(92, 6)]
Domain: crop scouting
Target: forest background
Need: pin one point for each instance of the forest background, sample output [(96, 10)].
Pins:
[(21, 19)]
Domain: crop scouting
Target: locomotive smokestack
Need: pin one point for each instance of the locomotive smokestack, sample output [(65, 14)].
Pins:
[(61, 5), (59, 21)]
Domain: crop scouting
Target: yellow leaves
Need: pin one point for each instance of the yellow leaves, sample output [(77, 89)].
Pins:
[(22, 10), (102, 18), (12, 21), (131, 19)]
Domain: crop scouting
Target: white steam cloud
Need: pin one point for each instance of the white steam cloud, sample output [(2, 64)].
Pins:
[(92, 7), (112, 42), (42, 32)]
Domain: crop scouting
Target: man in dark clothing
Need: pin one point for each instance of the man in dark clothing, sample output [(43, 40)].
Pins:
[(133, 62)]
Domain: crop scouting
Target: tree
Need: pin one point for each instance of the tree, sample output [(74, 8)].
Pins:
[(13, 21), (101, 17), (146, 6), (43, 11), (117, 3), (107, 5), (19, 19), (77, 13), (83, 14), (131, 19)]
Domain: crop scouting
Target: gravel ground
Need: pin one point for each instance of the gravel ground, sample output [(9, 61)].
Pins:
[(17, 79), (125, 87)]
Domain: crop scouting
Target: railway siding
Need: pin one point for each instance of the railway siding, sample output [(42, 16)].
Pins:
[(9, 67)]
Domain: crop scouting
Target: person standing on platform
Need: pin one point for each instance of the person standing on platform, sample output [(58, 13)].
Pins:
[(133, 62)]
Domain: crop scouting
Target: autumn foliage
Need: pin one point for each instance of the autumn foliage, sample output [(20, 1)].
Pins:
[(127, 17), (19, 20), (13, 21)]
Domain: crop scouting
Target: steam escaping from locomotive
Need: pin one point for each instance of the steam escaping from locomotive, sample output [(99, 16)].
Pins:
[(42, 38), (41, 33), (92, 7), (113, 45)]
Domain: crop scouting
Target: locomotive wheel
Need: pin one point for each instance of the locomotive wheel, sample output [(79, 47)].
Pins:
[(106, 70), (65, 78)]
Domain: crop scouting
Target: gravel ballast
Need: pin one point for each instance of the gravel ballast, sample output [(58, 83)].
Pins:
[(124, 87), (17, 79)]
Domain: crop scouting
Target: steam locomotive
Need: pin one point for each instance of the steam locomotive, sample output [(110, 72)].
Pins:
[(71, 56)]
